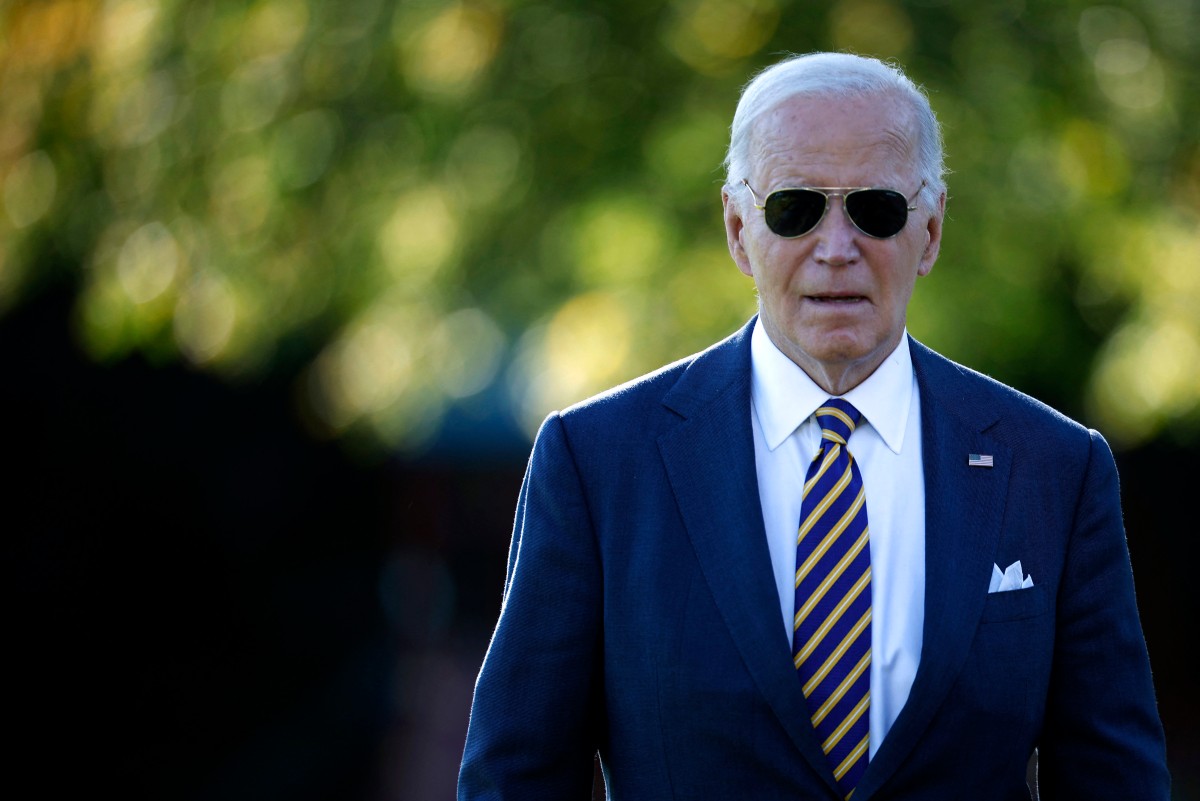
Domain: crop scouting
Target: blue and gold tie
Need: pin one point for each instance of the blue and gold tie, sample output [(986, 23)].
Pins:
[(831, 639)]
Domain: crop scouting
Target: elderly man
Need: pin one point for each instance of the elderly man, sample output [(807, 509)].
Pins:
[(818, 560)]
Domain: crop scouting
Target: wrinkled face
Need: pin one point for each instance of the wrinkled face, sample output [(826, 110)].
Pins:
[(833, 300)]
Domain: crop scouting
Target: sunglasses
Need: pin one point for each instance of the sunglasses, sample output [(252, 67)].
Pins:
[(878, 213)]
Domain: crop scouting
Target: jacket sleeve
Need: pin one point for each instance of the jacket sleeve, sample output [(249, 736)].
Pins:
[(1102, 738), (534, 716)]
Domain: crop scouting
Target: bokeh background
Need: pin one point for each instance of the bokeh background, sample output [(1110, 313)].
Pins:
[(287, 285)]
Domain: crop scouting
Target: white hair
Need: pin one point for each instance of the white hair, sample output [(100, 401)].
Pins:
[(839, 75)]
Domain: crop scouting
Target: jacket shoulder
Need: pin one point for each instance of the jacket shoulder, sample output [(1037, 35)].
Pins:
[(988, 403)]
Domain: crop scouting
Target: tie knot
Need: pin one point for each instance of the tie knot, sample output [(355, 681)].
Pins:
[(837, 418)]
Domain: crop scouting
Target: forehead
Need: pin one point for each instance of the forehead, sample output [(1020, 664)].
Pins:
[(830, 141)]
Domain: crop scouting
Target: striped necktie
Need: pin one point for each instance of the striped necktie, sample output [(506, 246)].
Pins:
[(831, 640)]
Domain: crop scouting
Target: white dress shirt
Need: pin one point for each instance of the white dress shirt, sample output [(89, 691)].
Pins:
[(887, 446)]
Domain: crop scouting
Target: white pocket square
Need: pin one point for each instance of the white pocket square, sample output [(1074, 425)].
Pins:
[(1010, 579)]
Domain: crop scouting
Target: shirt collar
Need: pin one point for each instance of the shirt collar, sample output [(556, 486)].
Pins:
[(784, 396)]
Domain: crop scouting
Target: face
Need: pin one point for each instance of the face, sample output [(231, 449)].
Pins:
[(833, 300)]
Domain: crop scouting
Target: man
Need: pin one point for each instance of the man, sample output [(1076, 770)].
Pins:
[(697, 598)]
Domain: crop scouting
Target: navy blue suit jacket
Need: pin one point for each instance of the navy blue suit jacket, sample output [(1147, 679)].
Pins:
[(640, 618)]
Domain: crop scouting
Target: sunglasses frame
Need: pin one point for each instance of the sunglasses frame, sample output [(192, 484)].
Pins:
[(835, 191)]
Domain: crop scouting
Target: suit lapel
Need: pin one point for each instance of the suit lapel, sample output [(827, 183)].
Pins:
[(709, 459), (964, 508)]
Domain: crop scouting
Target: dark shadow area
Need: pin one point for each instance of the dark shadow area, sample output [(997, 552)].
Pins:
[(196, 587), (1155, 482)]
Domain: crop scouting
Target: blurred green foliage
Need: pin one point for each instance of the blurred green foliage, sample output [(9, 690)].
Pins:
[(404, 205)]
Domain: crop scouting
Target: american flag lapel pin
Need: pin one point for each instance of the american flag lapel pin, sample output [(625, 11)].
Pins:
[(979, 459)]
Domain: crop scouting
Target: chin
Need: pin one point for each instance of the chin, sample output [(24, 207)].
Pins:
[(835, 349)]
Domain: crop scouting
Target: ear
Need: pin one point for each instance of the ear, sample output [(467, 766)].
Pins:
[(933, 232), (735, 228)]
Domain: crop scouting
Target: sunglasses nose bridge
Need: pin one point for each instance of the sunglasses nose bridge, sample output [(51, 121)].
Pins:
[(835, 237), (844, 216)]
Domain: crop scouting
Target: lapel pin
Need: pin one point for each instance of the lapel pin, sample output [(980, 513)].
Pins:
[(979, 459)]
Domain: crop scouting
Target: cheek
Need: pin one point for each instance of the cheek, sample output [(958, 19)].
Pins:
[(770, 279), (899, 289), (776, 263)]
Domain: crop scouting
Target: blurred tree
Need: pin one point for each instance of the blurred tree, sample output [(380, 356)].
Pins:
[(490, 209)]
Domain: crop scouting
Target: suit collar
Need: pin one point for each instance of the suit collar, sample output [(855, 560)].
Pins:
[(722, 368)]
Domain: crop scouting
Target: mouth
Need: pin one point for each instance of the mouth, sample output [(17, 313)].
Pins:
[(836, 299)]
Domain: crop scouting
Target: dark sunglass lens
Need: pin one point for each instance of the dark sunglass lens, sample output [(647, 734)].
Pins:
[(878, 212), (792, 212)]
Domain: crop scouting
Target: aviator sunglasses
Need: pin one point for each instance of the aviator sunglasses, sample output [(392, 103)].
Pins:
[(793, 212)]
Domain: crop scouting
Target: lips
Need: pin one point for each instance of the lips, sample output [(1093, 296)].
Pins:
[(836, 298)]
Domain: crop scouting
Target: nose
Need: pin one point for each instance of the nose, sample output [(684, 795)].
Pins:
[(837, 238)]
